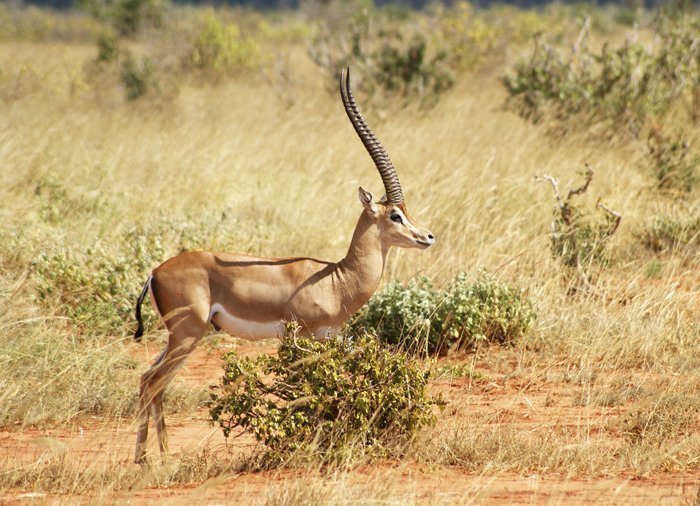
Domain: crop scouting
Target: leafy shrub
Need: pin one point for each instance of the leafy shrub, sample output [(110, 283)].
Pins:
[(466, 34), (484, 310), (222, 49), (671, 162), (401, 315), (425, 320), (471, 37), (97, 291), (137, 79), (579, 238), (107, 47), (126, 16), (629, 84), (408, 69), (130, 15), (96, 287), (117, 68), (327, 401), (385, 55), (669, 233)]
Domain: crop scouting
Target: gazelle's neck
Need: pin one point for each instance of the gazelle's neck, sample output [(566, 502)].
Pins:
[(362, 268)]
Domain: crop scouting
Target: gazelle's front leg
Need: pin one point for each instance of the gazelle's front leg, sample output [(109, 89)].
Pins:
[(325, 332)]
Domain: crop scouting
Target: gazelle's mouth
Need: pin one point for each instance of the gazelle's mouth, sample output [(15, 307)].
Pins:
[(425, 244)]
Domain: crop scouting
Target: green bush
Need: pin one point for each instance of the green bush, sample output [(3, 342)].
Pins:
[(425, 320), (406, 67), (387, 56), (107, 47), (97, 290), (404, 316), (127, 16), (96, 286), (221, 49), (329, 402), (484, 310), (473, 37), (672, 163), (138, 79), (135, 77), (669, 233), (628, 85)]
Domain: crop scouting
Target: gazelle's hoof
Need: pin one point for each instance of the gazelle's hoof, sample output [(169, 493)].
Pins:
[(140, 458)]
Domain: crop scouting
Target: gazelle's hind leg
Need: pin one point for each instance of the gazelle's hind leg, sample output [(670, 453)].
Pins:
[(185, 332), (144, 408)]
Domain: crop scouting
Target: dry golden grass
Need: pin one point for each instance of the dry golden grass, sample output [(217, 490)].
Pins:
[(274, 171)]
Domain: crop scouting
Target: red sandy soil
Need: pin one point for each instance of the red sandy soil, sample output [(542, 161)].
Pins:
[(529, 400)]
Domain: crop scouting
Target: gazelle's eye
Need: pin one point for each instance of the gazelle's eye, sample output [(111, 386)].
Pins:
[(396, 218)]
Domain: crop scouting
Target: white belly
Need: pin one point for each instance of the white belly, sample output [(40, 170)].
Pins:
[(245, 329)]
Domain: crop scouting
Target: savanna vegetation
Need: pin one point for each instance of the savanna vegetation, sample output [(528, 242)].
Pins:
[(552, 331)]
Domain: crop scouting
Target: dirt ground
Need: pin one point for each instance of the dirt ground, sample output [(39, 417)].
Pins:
[(527, 401)]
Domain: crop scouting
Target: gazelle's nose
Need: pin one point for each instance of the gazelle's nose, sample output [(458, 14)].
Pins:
[(429, 238)]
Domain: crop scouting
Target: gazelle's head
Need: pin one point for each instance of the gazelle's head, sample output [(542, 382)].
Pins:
[(396, 227)]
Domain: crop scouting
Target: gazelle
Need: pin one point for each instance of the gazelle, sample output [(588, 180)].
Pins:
[(253, 298)]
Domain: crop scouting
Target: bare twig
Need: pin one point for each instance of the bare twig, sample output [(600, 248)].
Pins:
[(584, 186), (617, 217), (574, 191), (582, 36), (555, 187)]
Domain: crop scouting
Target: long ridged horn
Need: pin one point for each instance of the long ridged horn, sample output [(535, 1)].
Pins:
[(372, 144)]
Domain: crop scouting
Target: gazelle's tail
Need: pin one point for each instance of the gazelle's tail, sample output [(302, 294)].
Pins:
[(139, 301)]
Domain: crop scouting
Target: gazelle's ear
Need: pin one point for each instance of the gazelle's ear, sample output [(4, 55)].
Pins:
[(367, 201)]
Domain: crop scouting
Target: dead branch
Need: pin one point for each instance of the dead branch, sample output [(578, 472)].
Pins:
[(555, 187), (574, 191), (582, 36), (584, 186), (617, 217)]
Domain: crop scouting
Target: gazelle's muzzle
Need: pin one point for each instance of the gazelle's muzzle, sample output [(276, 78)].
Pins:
[(424, 238)]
